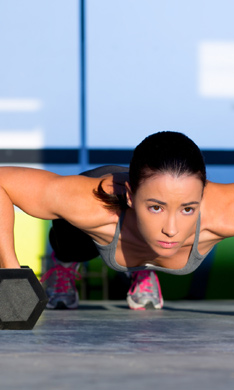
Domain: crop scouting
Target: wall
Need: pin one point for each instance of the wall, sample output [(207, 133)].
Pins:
[(149, 66)]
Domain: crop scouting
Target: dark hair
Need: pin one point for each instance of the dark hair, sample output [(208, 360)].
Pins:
[(166, 152), (162, 152)]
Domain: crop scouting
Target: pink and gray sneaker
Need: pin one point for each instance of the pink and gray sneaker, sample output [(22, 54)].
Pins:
[(145, 291), (60, 285)]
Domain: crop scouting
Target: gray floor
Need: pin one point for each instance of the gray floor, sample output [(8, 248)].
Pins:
[(104, 345)]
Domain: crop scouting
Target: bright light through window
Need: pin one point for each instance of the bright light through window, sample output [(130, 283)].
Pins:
[(216, 69)]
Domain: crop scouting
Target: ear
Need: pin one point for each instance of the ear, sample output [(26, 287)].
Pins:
[(128, 194)]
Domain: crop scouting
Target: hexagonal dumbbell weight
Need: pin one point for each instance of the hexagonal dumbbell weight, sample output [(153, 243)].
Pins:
[(22, 298)]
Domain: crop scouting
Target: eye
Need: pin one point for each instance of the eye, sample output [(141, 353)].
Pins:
[(188, 210), (155, 209)]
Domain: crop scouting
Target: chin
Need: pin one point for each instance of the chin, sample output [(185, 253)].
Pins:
[(165, 252)]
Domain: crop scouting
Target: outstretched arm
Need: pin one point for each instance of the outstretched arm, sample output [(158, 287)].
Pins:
[(7, 251), (21, 187), (44, 195)]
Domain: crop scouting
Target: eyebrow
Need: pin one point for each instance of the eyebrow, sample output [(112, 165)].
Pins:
[(164, 203)]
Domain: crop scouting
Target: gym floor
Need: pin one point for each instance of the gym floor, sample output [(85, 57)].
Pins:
[(104, 345)]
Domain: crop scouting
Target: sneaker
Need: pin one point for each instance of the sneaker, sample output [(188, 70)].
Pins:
[(145, 291), (60, 285)]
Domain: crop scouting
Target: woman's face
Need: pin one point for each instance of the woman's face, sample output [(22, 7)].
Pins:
[(167, 209)]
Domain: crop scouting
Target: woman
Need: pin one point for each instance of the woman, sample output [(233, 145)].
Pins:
[(163, 215), (71, 247)]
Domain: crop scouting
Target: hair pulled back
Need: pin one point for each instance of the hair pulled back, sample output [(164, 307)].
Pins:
[(163, 152), (166, 152)]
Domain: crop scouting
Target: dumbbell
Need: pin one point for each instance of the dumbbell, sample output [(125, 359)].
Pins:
[(22, 298)]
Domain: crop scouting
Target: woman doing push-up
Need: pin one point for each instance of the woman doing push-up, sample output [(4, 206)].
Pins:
[(161, 215)]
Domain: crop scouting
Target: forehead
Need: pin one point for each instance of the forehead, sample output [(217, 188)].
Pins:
[(169, 186)]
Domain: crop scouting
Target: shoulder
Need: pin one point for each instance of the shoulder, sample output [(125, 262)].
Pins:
[(217, 210), (75, 201)]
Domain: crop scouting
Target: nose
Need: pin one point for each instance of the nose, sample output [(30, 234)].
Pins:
[(170, 227)]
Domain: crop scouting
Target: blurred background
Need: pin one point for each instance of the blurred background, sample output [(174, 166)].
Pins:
[(83, 81)]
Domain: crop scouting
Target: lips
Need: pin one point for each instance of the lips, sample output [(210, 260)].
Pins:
[(167, 244)]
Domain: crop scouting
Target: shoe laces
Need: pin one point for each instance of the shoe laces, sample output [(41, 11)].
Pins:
[(64, 277), (143, 281)]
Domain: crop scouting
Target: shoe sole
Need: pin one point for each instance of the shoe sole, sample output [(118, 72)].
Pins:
[(147, 306), (60, 305)]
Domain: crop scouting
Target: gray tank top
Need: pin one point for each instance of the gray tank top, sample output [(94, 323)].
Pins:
[(107, 252)]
